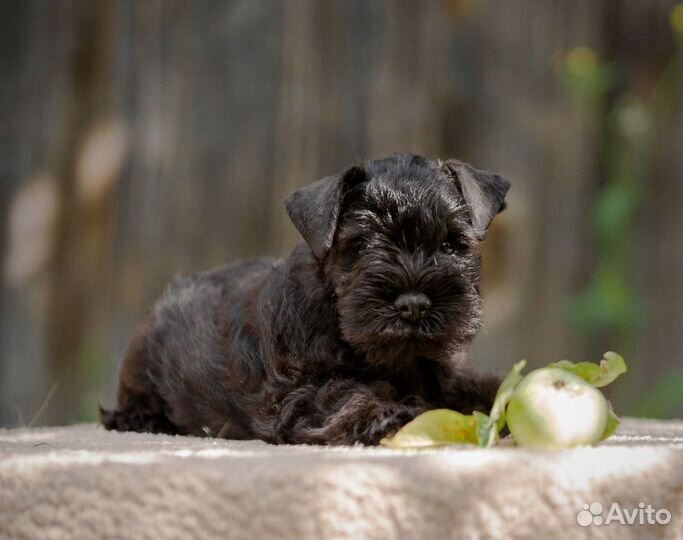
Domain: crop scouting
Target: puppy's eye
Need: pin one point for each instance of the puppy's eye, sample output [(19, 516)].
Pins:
[(447, 248), (452, 247)]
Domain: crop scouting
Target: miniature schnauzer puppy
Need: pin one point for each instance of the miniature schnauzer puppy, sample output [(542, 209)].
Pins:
[(365, 325)]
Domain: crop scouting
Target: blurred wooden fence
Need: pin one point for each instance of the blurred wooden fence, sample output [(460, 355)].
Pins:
[(139, 139)]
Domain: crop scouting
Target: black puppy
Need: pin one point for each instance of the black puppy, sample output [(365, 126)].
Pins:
[(364, 327)]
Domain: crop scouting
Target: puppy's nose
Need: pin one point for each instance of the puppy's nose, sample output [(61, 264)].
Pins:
[(412, 305)]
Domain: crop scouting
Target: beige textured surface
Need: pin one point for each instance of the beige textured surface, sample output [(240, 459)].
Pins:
[(82, 482)]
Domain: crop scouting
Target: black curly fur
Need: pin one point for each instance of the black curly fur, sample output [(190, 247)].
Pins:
[(312, 349)]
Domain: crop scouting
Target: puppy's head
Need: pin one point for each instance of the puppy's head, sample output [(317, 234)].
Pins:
[(399, 241)]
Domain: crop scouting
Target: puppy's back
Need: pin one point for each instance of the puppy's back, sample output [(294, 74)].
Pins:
[(182, 372)]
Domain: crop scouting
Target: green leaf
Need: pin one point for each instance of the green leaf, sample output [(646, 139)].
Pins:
[(507, 387), (611, 366), (489, 426), (486, 435), (612, 424), (435, 428)]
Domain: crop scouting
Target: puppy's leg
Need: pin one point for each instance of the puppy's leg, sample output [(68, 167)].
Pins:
[(469, 391), (139, 406), (344, 412)]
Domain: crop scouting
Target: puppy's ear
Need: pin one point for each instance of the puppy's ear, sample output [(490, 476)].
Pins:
[(484, 193), (314, 209)]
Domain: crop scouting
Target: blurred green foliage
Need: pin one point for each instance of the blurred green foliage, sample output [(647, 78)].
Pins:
[(610, 304), (665, 397)]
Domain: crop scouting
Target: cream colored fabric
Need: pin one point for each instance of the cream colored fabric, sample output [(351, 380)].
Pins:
[(81, 482)]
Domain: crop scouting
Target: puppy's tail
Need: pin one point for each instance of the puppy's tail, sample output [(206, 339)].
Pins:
[(107, 418)]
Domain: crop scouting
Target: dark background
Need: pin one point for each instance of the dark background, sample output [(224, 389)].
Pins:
[(139, 139)]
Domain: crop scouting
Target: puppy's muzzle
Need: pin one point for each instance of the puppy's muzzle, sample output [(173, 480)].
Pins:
[(412, 306)]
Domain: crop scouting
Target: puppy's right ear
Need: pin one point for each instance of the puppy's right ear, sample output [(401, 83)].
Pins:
[(314, 209)]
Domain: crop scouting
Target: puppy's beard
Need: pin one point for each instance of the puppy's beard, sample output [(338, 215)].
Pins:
[(386, 339), (402, 352), (371, 323)]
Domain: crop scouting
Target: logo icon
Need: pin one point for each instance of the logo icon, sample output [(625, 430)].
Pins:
[(590, 515)]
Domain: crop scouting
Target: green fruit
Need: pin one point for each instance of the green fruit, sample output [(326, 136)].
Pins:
[(553, 408)]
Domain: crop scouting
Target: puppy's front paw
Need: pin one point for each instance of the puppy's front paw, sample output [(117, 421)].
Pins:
[(387, 422)]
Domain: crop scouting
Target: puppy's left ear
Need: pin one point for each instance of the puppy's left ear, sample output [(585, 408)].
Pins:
[(315, 209), (484, 193)]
